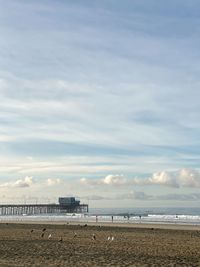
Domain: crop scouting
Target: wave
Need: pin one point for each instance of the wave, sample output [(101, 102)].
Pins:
[(89, 218)]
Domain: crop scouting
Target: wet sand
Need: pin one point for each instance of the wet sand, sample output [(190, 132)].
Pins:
[(74, 245)]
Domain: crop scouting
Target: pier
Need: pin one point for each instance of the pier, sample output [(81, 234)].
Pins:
[(66, 205)]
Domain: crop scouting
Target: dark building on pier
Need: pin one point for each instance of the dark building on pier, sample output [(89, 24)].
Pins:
[(66, 205)]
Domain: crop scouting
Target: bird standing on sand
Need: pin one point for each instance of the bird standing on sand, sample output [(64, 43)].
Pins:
[(42, 235), (60, 240), (49, 236), (94, 237), (75, 235)]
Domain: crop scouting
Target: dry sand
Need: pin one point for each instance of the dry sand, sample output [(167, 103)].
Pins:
[(132, 246)]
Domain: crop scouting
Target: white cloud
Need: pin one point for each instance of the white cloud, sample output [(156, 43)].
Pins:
[(160, 178), (181, 178), (111, 179), (85, 181), (53, 181), (189, 178), (114, 180), (26, 182)]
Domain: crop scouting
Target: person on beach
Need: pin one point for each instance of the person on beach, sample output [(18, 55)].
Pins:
[(96, 218), (112, 218)]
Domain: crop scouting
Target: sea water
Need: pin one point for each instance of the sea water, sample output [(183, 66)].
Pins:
[(189, 216)]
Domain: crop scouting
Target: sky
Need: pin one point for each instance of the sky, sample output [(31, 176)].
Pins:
[(100, 100)]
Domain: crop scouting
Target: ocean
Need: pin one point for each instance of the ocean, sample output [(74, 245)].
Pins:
[(189, 216)]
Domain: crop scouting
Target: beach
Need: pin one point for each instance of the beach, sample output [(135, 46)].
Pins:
[(30, 244)]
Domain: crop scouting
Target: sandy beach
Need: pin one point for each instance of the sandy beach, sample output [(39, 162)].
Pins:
[(88, 245)]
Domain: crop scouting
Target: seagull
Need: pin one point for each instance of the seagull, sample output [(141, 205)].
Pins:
[(75, 235), (108, 238), (31, 230), (44, 229), (42, 235), (61, 240), (112, 238), (94, 237), (49, 236)]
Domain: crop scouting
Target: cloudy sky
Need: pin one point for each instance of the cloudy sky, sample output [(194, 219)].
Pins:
[(100, 99)]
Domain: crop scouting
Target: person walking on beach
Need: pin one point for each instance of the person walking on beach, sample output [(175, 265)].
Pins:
[(96, 218), (112, 218)]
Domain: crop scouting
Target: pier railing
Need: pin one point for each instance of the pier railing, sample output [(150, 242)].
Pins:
[(31, 209)]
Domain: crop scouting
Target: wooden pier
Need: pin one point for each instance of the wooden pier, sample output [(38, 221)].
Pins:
[(32, 209)]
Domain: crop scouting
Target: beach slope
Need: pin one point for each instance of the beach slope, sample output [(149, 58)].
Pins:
[(83, 245)]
